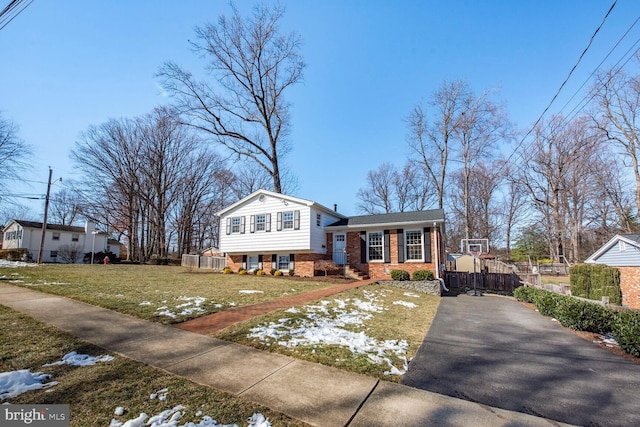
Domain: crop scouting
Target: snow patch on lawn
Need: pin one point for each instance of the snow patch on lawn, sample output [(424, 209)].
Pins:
[(248, 291), (16, 264), (191, 306), (76, 359), (405, 303), (15, 383), (324, 324)]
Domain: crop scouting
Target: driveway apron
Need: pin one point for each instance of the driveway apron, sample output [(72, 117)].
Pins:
[(495, 351)]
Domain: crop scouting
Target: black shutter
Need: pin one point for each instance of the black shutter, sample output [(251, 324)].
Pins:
[(242, 224), (279, 225), (387, 246), (244, 262), (267, 226), (427, 244), (363, 247), (228, 225), (274, 261), (252, 223), (400, 245), (292, 263), (296, 220), (260, 262)]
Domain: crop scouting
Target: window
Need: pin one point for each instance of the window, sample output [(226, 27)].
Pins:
[(235, 224), (287, 220), (56, 236), (253, 262), (283, 262), (261, 221), (414, 245), (75, 237), (318, 219), (376, 250), (54, 254)]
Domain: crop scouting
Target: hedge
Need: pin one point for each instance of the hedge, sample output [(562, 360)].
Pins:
[(593, 281), (585, 316), (400, 275)]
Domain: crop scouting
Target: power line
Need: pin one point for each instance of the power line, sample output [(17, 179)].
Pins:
[(539, 119), (13, 9)]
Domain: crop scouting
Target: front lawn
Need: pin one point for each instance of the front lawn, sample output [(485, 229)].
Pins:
[(373, 330), (164, 294), (94, 392)]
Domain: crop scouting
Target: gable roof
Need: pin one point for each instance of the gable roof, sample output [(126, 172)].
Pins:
[(298, 200), (57, 227), (396, 219), (632, 239)]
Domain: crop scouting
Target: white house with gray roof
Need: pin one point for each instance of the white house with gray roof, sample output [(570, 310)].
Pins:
[(267, 230)]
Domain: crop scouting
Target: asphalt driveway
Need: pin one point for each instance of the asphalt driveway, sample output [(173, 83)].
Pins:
[(492, 350)]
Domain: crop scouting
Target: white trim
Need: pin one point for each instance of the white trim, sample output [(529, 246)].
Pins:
[(604, 248), (284, 198)]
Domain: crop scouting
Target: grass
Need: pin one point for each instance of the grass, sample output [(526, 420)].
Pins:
[(547, 279), (94, 392), (394, 322), (124, 288)]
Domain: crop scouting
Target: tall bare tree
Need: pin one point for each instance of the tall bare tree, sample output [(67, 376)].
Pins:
[(14, 153), (616, 116), (253, 64), (430, 132), (64, 207)]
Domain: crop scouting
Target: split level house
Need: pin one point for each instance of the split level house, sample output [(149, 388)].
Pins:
[(622, 251), (19, 234), (267, 230)]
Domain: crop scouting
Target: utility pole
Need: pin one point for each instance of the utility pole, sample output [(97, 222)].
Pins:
[(46, 212)]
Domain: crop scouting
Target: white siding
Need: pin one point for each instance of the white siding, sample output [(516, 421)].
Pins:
[(31, 241), (285, 240), (318, 234)]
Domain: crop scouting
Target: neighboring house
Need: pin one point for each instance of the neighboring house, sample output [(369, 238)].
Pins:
[(623, 252), (59, 240), (268, 230)]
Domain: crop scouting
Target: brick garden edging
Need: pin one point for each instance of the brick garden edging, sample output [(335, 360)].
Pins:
[(431, 287)]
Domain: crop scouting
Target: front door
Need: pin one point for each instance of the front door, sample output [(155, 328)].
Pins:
[(339, 246)]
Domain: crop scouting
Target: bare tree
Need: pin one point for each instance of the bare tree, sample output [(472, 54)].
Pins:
[(378, 196), (481, 125), (64, 207), (254, 64), (430, 132), (559, 152), (617, 117), (14, 153), (70, 254)]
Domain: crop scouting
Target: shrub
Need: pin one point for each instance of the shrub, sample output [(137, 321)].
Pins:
[(273, 271), (595, 281), (583, 316), (626, 331), (525, 293), (259, 272), (292, 272), (400, 275), (278, 273), (20, 254), (227, 270), (546, 302), (242, 271), (423, 275)]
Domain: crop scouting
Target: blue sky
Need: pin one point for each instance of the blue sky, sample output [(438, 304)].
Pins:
[(66, 65)]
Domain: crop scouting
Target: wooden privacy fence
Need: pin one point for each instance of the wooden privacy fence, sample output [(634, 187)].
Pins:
[(216, 263), (500, 282)]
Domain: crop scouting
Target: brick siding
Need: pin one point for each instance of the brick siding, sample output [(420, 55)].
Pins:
[(630, 286)]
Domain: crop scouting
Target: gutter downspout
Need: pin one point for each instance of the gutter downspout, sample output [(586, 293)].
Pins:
[(435, 238)]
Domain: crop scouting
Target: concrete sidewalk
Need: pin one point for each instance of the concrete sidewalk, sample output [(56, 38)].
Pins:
[(315, 394)]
